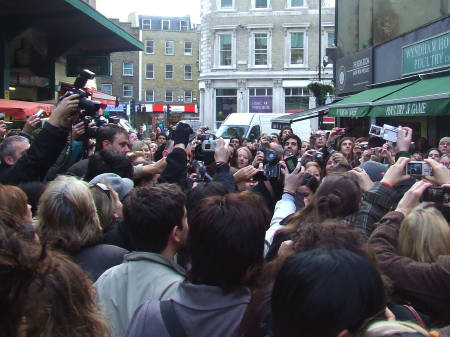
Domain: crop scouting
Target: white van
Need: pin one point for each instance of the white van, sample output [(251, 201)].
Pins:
[(248, 125)]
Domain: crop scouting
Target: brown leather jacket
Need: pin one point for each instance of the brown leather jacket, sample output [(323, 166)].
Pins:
[(426, 285)]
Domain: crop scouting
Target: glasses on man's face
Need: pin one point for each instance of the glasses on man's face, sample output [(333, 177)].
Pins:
[(102, 187)]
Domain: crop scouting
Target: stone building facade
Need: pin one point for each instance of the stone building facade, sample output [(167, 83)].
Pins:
[(123, 81), (259, 55)]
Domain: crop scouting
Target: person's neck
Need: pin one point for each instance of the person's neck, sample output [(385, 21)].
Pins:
[(169, 252)]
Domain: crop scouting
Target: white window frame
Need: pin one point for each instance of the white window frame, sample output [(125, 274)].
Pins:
[(268, 5), (131, 90), (181, 25), (251, 56), (147, 71), (325, 35), (189, 53), (217, 64), (123, 69), (188, 98), (162, 24), (289, 4), (287, 46), (147, 45), (327, 3), (173, 47), (109, 92), (171, 95), (185, 78), (144, 25), (147, 96), (168, 72), (220, 8)]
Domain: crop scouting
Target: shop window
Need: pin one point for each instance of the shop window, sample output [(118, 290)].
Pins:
[(226, 103), (296, 99), (260, 100)]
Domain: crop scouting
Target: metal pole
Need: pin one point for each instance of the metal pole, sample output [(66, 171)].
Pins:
[(320, 40)]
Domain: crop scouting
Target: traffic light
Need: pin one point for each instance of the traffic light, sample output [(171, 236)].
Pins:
[(169, 108), (132, 106), (143, 109)]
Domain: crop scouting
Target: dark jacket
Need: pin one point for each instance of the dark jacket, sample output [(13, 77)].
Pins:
[(95, 260), (176, 169), (34, 164), (426, 285)]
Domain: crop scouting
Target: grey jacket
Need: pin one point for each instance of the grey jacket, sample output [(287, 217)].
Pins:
[(141, 277), (203, 311)]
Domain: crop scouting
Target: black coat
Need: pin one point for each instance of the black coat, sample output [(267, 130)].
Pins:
[(34, 164)]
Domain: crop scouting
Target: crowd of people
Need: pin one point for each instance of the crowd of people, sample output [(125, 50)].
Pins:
[(105, 232)]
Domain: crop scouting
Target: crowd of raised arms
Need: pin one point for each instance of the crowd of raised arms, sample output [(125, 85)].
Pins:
[(116, 233)]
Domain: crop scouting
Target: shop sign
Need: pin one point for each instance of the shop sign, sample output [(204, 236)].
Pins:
[(27, 80), (100, 65), (354, 72), (260, 104), (428, 54)]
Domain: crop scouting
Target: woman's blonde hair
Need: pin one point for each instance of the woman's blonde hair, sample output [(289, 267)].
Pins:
[(67, 216), (424, 235)]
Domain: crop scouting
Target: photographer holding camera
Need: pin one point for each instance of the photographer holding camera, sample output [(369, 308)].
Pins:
[(34, 163)]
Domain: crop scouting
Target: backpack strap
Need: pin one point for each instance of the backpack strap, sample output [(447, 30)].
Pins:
[(170, 319)]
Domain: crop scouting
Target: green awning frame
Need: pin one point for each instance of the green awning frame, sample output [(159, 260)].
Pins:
[(427, 97), (358, 105), (102, 20)]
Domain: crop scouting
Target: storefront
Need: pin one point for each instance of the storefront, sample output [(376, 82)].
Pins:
[(407, 82), (39, 44)]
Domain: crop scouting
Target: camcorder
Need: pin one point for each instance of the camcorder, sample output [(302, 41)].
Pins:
[(437, 194), (387, 132), (418, 169)]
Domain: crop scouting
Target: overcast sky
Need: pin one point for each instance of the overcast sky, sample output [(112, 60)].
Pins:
[(121, 8)]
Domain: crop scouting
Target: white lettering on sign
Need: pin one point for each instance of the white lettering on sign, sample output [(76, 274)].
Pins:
[(351, 112), (416, 108)]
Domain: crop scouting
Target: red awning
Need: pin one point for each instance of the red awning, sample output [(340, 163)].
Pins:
[(23, 109)]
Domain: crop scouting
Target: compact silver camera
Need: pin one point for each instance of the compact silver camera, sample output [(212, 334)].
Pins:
[(386, 132), (418, 168)]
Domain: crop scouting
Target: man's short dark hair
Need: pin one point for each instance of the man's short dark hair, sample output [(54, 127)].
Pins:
[(161, 134), (297, 138), (109, 161), (150, 213), (108, 133), (226, 237)]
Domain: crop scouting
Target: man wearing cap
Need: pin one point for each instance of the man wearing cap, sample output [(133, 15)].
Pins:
[(444, 145)]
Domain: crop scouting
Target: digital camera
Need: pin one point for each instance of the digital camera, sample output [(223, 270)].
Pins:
[(386, 132), (418, 168)]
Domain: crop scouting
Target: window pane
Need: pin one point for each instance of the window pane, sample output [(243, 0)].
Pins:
[(169, 48), (146, 24), (128, 69), (296, 40), (128, 90), (149, 47), (187, 48), (330, 42), (297, 56), (169, 96), (149, 71), (296, 3), (226, 3), (169, 71), (260, 49), (183, 25), (260, 3), (188, 96), (225, 49), (106, 88), (149, 96), (188, 72)]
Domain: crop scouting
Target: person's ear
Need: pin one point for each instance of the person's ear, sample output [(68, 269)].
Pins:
[(9, 160), (105, 144), (176, 235)]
